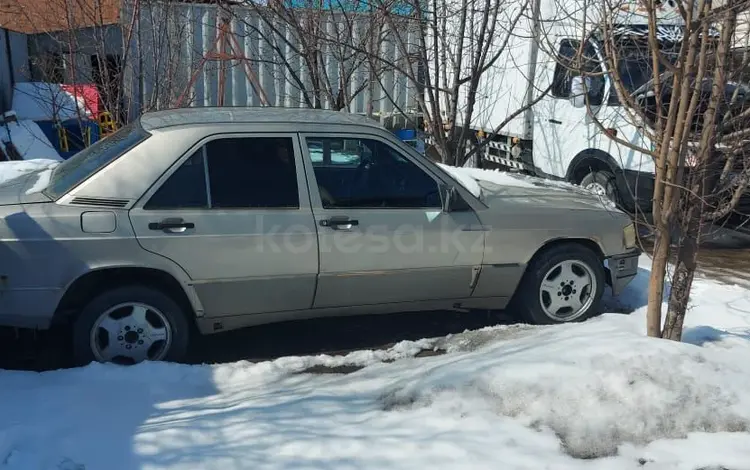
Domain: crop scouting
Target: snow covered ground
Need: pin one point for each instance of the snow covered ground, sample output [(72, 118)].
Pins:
[(597, 395)]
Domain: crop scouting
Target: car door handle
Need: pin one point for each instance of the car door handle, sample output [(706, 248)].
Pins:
[(339, 223), (175, 225)]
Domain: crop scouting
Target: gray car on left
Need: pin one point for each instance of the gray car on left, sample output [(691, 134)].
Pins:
[(211, 219)]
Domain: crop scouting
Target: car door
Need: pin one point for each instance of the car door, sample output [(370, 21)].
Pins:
[(382, 235), (234, 213), (562, 131)]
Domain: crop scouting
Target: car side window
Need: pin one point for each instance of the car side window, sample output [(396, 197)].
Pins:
[(366, 173), (336, 152), (185, 189), (233, 173)]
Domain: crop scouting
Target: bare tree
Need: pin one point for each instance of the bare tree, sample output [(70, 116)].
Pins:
[(681, 85), (448, 50), (118, 50), (157, 54), (321, 48)]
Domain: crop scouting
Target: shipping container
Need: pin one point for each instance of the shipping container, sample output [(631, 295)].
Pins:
[(169, 40)]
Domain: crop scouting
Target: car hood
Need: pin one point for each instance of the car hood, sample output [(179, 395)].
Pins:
[(25, 189), (533, 191)]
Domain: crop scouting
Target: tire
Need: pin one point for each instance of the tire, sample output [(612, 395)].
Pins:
[(605, 182), (161, 316), (533, 301)]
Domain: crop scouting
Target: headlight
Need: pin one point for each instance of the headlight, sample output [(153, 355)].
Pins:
[(629, 236)]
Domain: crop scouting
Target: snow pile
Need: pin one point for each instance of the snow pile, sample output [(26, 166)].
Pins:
[(596, 386), (14, 169), (470, 178), (40, 101), (515, 397), (29, 140), (501, 178)]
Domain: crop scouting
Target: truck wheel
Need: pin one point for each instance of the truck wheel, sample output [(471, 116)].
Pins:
[(129, 325), (602, 183), (561, 285)]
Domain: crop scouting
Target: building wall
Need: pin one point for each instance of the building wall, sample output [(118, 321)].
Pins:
[(14, 60), (84, 43), (171, 39)]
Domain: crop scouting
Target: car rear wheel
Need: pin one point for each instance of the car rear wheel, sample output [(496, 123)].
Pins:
[(129, 325), (563, 284)]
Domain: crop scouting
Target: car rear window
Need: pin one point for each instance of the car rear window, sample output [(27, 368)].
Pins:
[(85, 163)]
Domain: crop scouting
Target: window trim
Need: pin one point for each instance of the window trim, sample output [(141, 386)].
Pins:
[(559, 66), (304, 200), (315, 197)]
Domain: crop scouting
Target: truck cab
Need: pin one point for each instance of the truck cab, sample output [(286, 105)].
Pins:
[(570, 135)]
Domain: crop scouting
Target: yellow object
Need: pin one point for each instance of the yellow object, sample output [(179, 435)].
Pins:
[(515, 140), (480, 134), (106, 123), (62, 135)]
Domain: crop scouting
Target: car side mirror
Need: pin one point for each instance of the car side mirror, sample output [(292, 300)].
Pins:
[(448, 195)]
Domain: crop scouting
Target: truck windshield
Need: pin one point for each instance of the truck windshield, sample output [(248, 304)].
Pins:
[(79, 167), (635, 64)]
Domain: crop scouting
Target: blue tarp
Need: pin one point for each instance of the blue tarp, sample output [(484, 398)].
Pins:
[(74, 130)]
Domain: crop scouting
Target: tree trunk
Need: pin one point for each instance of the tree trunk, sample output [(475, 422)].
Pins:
[(656, 281), (687, 256), (679, 295), (446, 154)]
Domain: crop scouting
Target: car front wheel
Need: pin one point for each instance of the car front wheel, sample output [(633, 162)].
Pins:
[(563, 284), (129, 325), (601, 183)]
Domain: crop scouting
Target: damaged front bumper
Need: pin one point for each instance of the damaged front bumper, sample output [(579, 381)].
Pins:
[(622, 269)]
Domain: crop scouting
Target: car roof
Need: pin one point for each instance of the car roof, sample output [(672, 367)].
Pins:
[(251, 115)]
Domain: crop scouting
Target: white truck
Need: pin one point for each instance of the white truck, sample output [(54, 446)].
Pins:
[(558, 137)]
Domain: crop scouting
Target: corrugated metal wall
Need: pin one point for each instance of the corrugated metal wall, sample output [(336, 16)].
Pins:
[(169, 40)]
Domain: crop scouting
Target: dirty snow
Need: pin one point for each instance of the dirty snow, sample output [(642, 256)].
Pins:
[(597, 395)]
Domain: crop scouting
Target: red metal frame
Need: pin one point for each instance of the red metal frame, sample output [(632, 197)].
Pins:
[(225, 40)]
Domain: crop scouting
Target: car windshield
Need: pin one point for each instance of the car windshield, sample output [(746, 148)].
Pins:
[(82, 165)]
